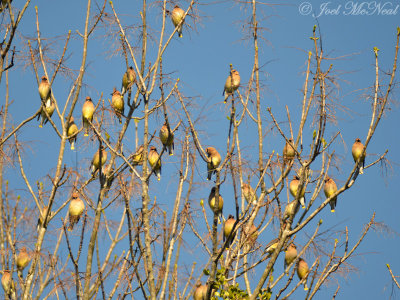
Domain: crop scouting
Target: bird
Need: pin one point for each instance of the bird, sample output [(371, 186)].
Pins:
[(302, 272), (290, 256), (358, 156), (214, 159), (87, 114), (50, 110), (40, 219), (167, 138), (294, 186), (137, 158), (212, 200), (128, 80), (177, 15), (271, 246), (117, 102), (72, 130), (330, 189), (155, 162), (96, 164), (23, 259), (249, 194), (250, 234), (76, 208), (200, 293), (8, 284), (288, 151), (290, 210), (231, 84), (228, 227), (45, 91)]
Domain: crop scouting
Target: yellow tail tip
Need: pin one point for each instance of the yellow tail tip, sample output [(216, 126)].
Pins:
[(306, 288), (171, 154), (332, 210), (85, 134), (303, 207), (40, 126)]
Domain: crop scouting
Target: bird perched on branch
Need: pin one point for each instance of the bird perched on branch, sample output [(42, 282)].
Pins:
[(200, 293), (231, 84), (76, 208), (71, 132), (294, 190), (167, 138), (290, 210), (8, 284), (50, 110), (23, 260), (212, 201), (330, 189), (214, 159), (249, 194), (177, 15), (117, 102), (290, 255), (228, 227), (45, 91), (155, 162), (302, 272), (128, 80), (288, 151), (358, 155), (87, 114), (96, 164)]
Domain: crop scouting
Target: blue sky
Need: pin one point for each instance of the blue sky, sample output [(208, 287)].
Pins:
[(201, 60)]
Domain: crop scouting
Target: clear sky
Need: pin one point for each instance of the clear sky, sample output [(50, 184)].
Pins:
[(201, 60)]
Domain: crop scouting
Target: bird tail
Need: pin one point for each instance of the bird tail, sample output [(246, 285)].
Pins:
[(302, 202)]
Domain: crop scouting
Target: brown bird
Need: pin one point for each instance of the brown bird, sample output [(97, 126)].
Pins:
[(200, 293), (302, 272), (271, 246), (76, 208), (87, 114), (23, 259), (290, 255), (155, 163), (45, 91), (212, 200), (137, 158), (228, 227), (250, 234), (176, 17), (72, 130), (95, 164), (167, 138), (8, 284), (288, 151), (358, 156), (330, 189), (214, 159), (290, 210), (231, 84), (128, 80), (294, 186), (117, 102), (50, 110), (249, 194)]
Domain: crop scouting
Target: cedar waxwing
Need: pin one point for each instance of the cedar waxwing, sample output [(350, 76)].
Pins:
[(288, 151), (128, 80), (211, 201), (72, 129), (294, 186), (290, 255), (45, 91), (87, 114), (76, 208), (357, 151), (40, 219), (95, 164), (8, 284), (137, 158), (200, 293), (228, 226), (231, 84), (50, 110), (249, 194), (177, 16), (302, 271), (250, 234), (271, 246), (23, 259), (155, 163), (290, 210), (167, 138), (117, 102), (330, 189), (214, 159)]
